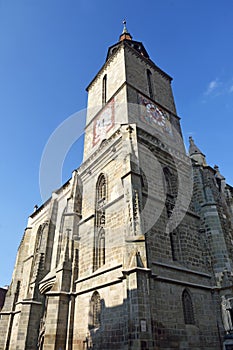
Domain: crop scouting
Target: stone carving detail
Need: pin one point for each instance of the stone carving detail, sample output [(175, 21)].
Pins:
[(136, 210), (226, 314)]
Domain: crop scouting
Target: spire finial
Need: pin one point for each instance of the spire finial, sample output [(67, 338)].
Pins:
[(125, 34), (191, 141), (124, 28)]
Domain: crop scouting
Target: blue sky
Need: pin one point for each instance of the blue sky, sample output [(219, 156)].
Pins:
[(51, 49)]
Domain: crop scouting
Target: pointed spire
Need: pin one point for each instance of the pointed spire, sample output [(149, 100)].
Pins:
[(195, 153), (193, 149), (124, 28), (125, 34)]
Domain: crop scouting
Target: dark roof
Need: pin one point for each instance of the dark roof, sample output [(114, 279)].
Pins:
[(137, 45)]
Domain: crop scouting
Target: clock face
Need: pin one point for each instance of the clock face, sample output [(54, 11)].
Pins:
[(103, 122), (154, 115)]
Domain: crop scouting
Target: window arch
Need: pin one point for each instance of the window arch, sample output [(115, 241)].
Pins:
[(187, 308), (101, 189), (99, 237), (38, 239), (149, 82), (104, 90), (95, 311)]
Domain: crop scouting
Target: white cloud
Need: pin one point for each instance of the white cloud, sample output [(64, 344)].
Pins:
[(212, 86), (217, 87)]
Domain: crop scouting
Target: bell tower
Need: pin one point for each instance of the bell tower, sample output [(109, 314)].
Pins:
[(129, 88), (133, 148)]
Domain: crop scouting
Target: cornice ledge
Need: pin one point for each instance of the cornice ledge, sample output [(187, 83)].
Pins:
[(127, 272), (98, 273), (181, 268)]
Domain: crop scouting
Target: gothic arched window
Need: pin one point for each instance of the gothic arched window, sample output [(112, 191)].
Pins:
[(168, 180), (101, 189), (169, 191), (104, 90), (95, 311), (187, 308), (149, 82), (99, 238), (38, 239)]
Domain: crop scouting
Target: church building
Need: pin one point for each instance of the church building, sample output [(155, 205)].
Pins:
[(135, 250)]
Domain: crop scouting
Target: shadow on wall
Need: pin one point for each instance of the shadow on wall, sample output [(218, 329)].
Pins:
[(3, 292), (115, 327), (130, 325)]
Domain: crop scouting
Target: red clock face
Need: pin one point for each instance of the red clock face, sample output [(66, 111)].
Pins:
[(154, 115), (103, 122)]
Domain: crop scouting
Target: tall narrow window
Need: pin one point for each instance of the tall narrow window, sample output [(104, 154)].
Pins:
[(99, 237), (173, 245), (187, 308), (17, 292), (149, 82), (61, 234), (104, 90), (101, 248), (101, 189), (168, 180), (95, 311)]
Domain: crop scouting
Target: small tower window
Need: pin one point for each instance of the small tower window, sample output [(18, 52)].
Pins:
[(104, 90), (149, 82), (95, 311), (187, 308)]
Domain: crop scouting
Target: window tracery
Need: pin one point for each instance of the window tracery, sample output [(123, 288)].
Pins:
[(99, 238), (187, 308), (95, 311)]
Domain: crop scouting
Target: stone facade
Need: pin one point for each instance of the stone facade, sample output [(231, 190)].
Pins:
[(135, 251)]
